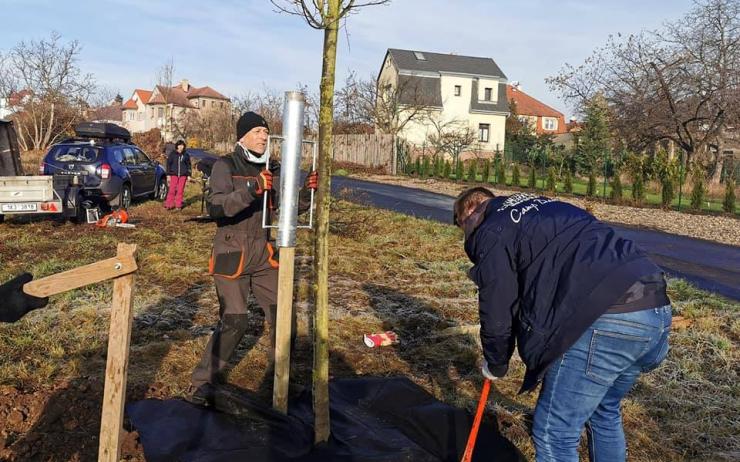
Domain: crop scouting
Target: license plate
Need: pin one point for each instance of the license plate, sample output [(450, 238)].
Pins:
[(20, 207)]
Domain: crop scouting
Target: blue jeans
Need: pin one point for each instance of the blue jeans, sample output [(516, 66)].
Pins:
[(586, 385)]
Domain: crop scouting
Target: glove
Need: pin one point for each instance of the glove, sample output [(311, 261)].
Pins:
[(264, 182), (16, 303), (312, 181), (487, 373)]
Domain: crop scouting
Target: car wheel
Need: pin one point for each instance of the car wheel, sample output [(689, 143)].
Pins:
[(124, 198), (160, 193)]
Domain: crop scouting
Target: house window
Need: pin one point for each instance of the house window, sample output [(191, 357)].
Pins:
[(458, 90), (549, 123), (140, 116), (222, 104), (420, 56), (488, 94), (160, 112), (483, 132), (195, 103), (213, 104)]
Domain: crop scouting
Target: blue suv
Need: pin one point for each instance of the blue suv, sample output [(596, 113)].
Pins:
[(100, 167)]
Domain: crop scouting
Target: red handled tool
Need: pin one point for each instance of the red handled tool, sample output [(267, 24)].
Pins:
[(468, 454)]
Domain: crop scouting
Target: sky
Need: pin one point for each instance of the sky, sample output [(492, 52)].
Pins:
[(238, 46)]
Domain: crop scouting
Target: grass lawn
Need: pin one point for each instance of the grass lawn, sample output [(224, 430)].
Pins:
[(388, 271)]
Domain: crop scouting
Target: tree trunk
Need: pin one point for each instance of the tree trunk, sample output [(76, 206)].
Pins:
[(321, 246), (716, 176)]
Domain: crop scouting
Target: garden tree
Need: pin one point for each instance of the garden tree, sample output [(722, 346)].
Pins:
[(447, 170), (417, 166), (728, 205), (616, 192), (677, 83), (458, 170), (210, 128), (150, 142), (551, 180), (636, 169), (500, 172), (666, 170), (47, 89), (520, 135), (591, 188), (268, 103), (568, 182), (515, 176), (698, 189), (425, 168), (486, 171), (594, 139), (164, 79), (387, 106), (323, 15), (532, 182), (473, 170), (450, 137)]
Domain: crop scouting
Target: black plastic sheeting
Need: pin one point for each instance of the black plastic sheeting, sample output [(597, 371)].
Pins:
[(372, 420)]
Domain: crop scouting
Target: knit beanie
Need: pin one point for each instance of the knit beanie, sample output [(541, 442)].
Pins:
[(248, 121)]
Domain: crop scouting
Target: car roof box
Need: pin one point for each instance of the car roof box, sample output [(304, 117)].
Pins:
[(107, 131)]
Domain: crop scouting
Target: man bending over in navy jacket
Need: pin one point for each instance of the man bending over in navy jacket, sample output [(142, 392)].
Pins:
[(586, 308)]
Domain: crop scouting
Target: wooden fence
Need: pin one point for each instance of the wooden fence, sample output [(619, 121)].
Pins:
[(377, 150)]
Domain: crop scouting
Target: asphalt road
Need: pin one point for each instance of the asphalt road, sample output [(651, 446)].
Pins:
[(708, 265)]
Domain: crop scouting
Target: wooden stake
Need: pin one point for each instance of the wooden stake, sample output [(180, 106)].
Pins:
[(119, 265), (116, 370), (283, 329)]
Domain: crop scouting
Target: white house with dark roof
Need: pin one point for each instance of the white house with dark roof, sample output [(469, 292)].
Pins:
[(466, 91)]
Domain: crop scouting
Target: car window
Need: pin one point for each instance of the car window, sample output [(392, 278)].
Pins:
[(75, 153), (141, 157), (129, 157), (118, 155)]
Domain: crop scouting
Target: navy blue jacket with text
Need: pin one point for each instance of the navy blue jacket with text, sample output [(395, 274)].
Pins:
[(545, 271)]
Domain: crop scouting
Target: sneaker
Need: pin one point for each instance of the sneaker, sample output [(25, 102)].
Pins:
[(204, 395)]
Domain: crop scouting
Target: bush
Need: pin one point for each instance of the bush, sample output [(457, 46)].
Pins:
[(473, 171), (638, 189), (591, 189), (551, 180), (698, 191), (426, 169), (417, 166), (568, 182), (515, 176), (616, 192), (447, 170), (438, 166), (729, 203), (501, 173), (532, 180), (486, 171), (459, 170), (667, 192)]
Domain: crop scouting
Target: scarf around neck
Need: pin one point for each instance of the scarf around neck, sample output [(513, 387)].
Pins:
[(251, 157)]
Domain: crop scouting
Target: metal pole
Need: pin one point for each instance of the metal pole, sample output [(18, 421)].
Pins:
[(286, 239)]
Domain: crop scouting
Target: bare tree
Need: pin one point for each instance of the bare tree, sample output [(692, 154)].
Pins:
[(164, 81), (451, 137), (47, 88), (323, 15), (389, 107), (679, 83)]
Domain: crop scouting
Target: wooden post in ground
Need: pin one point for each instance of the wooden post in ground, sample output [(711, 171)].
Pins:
[(116, 370), (283, 329)]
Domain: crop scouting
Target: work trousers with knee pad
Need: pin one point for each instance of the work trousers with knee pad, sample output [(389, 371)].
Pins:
[(234, 319)]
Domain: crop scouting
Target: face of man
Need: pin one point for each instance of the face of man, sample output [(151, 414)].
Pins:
[(255, 140), (180, 148)]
